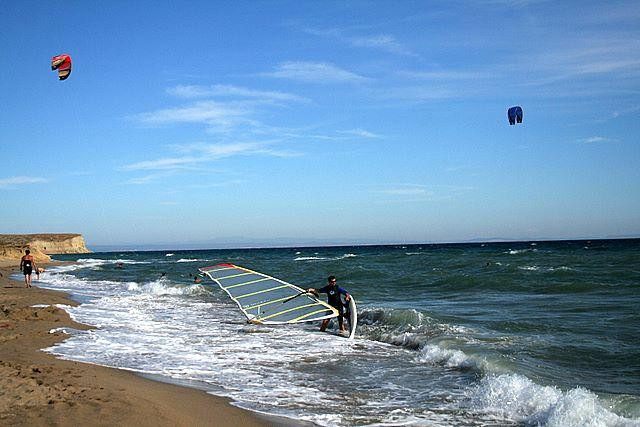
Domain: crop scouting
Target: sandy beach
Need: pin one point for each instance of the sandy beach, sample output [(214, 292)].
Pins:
[(38, 389)]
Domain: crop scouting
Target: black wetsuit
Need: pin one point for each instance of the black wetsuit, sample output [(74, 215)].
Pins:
[(334, 300), (27, 266)]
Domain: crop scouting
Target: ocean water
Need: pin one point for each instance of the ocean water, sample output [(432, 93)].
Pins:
[(528, 333)]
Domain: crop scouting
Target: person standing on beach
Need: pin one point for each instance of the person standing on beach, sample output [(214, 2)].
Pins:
[(333, 292), (27, 264)]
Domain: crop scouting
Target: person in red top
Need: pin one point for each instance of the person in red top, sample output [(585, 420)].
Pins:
[(27, 265)]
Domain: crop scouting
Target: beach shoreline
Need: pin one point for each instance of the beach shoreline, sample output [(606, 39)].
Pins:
[(36, 388)]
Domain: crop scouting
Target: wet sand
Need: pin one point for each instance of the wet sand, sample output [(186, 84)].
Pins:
[(38, 389)]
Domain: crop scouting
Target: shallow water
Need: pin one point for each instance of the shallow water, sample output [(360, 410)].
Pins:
[(470, 334)]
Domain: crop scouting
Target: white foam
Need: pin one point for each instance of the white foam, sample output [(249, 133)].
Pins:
[(546, 269), (319, 258), (163, 286), (110, 261), (309, 258), (519, 251), (516, 397), (434, 354), (182, 331), (66, 330), (192, 260), (168, 254)]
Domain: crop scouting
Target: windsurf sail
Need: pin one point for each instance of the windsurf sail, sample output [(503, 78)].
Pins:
[(267, 300)]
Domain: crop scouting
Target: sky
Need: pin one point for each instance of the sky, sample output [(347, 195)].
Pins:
[(320, 122)]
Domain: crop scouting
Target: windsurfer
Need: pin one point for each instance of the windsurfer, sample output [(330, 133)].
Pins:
[(333, 292)]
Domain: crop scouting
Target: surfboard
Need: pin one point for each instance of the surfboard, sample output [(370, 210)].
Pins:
[(353, 317)]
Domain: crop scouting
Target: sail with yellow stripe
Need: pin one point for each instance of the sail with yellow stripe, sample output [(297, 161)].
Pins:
[(267, 300)]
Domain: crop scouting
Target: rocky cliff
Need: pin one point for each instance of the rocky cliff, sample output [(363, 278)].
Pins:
[(12, 246)]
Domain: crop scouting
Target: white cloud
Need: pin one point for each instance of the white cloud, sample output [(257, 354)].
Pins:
[(449, 75), (194, 91), (222, 115), (148, 178), (420, 192), (315, 72), (596, 139), (426, 93), (359, 132), (384, 42), (200, 153), (408, 190), (20, 180), (171, 163), (588, 57)]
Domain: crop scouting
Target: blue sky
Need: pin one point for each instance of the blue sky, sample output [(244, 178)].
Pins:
[(289, 121)]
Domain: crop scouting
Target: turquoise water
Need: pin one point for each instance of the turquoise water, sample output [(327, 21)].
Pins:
[(464, 334)]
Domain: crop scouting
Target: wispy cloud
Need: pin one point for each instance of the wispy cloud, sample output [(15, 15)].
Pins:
[(359, 132), (382, 42), (459, 168), (408, 190), (202, 153), (15, 181), (195, 91), (421, 93), (587, 57), (147, 179), (340, 135), (449, 74), (597, 139), (221, 115), (619, 113), (315, 72), (420, 193), (168, 163)]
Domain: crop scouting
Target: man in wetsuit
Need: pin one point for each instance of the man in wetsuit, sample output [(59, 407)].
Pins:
[(27, 264), (333, 292)]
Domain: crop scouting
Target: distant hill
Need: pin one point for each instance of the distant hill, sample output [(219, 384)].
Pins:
[(12, 246)]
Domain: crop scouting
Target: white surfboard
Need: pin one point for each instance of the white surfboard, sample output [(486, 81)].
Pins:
[(353, 318)]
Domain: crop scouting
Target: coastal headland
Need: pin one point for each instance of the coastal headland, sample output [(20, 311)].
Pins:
[(12, 246), (38, 389)]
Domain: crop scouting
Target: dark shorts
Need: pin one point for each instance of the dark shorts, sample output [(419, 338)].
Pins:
[(340, 309), (27, 271)]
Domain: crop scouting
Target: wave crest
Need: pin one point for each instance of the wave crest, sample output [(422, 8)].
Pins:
[(516, 397)]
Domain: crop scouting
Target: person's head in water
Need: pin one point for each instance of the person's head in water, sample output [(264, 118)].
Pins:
[(331, 280), (27, 251)]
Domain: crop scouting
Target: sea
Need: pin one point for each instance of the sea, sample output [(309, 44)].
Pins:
[(518, 333)]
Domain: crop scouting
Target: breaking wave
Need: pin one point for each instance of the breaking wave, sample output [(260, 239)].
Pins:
[(319, 258), (516, 397)]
